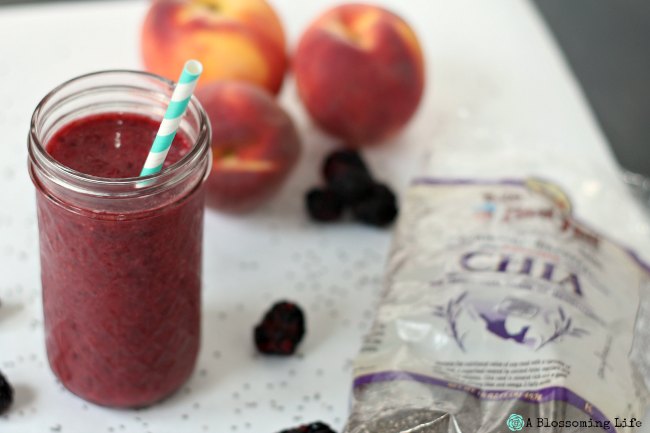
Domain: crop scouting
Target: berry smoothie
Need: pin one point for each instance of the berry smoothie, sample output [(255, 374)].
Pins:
[(121, 291)]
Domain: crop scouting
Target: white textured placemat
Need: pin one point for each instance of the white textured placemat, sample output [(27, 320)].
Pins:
[(500, 103)]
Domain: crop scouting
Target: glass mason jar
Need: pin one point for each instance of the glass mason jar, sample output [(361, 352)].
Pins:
[(120, 258)]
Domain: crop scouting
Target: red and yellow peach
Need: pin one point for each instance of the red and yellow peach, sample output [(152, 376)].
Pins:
[(234, 39), (254, 145), (360, 72)]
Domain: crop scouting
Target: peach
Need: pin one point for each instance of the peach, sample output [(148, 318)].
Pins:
[(254, 145), (360, 72), (234, 39)]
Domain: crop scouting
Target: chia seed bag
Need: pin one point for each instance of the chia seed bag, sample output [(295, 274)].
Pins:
[(502, 312)]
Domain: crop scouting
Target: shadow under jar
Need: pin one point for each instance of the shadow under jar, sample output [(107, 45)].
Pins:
[(120, 257)]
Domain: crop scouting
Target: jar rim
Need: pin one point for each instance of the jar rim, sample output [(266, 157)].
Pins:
[(140, 183)]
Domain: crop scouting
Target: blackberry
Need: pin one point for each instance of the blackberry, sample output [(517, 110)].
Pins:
[(6, 394), (347, 175), (352, 186), (315, 427), (379, 208), (281, 330), (324, 205), (342, 162)]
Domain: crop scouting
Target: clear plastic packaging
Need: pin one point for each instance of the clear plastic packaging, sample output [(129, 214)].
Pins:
[(503, 312)]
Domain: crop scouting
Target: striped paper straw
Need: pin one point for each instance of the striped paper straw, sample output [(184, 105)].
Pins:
[(170, 123)]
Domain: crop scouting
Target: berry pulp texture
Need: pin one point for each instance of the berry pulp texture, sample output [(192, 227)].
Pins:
[(121, 292)]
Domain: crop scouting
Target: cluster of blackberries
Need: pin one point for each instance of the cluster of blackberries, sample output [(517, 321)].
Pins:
[(6, 394), (315, 427), (349, 184), (281, 329)]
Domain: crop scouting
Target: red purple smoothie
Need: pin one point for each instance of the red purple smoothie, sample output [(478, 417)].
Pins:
[(121, 291)]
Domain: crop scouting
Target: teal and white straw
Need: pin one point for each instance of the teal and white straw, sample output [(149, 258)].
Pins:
[(170, 123)]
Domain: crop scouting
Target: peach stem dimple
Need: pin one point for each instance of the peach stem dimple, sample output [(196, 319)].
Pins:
[(356, 31), (212, 6)]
